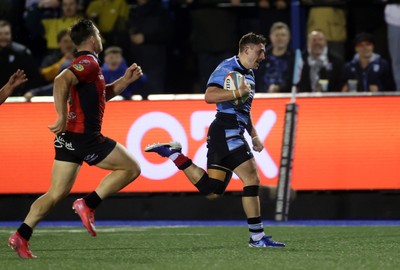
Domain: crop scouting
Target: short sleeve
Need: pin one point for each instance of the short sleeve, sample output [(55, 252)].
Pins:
[(85, 69)]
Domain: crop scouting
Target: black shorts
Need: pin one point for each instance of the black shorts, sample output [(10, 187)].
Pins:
[(77, 147), (226, 144)]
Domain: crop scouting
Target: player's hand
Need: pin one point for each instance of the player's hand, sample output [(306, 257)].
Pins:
[(18, 78), (59, 125), (132, 73), (257, 144), (244, 88)]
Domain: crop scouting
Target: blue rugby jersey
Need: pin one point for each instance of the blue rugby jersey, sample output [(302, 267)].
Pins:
[(241, 110)]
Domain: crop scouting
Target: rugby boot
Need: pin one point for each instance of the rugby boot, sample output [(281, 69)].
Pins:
[(86, 214), (164, 149), (266, 241), (21, 246)]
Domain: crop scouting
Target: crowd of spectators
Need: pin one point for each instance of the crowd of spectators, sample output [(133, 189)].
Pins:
[(179, 42)]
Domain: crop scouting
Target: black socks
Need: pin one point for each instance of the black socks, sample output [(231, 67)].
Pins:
[(92, 200)]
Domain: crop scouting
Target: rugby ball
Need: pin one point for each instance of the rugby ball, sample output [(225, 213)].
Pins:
[(232, 82)]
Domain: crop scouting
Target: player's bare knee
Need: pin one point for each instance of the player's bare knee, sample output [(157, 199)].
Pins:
[(133, 171), (252, 180)]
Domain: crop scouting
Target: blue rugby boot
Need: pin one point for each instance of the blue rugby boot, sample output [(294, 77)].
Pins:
[(266, 241), (164, 149)]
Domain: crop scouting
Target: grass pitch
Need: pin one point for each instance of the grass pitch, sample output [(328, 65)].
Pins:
[(207, 248)]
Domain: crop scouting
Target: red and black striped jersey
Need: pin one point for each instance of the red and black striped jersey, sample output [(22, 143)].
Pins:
[(88, 97)]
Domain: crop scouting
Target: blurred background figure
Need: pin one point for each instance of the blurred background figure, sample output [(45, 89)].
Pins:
[(114, 67), (60, 58), (276, 71), (55, 62), (150, 29), (214, 36), (368, 71), (322, 69), (111, 17), (271, 11), (14, 56), (45, 20), (330, 17), (392, 18)]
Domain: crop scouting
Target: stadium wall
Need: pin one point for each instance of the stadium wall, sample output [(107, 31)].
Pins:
[(345, 164)]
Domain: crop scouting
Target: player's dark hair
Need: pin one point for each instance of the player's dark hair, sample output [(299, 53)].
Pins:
[(251, 38), (81, 31)]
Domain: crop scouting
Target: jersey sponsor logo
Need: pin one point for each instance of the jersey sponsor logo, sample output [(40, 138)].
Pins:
[(59, 142), (84, 62), (91, 157), (71, 115), (199, 122), (78, 67)]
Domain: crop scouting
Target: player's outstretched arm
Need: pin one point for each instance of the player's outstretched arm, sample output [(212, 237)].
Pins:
[(62, 85), (18, 78), (131, 74)]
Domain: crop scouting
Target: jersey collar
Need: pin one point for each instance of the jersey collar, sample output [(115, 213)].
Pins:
[(242, 69), (80, 53)]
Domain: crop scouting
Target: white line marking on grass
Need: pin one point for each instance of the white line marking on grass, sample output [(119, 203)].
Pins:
[(41, 230)]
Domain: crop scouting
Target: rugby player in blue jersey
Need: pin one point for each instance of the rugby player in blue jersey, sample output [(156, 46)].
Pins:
[(228, 151)]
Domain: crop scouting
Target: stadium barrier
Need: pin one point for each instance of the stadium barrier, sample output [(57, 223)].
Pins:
[(343, 141)]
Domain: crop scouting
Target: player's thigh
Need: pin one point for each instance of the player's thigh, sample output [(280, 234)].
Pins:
[(217, 173), (248, 173), (119, 159), (63, 177)]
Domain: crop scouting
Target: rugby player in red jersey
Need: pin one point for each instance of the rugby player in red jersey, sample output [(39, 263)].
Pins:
[(79, 138)]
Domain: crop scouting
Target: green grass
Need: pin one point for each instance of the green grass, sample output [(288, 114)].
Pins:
[(206, 248)]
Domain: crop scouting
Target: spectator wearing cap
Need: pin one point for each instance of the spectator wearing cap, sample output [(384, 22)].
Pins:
[(114, 67), (367, 71)]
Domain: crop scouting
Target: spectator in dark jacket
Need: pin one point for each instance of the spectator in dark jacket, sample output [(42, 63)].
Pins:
[(214, 36), (275, 74), (368, 71), (150, 29), (15, 56), (322, 70)]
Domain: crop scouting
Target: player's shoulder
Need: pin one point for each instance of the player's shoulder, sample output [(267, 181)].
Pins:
[(85, 62), (226, 66), (230, 63)]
